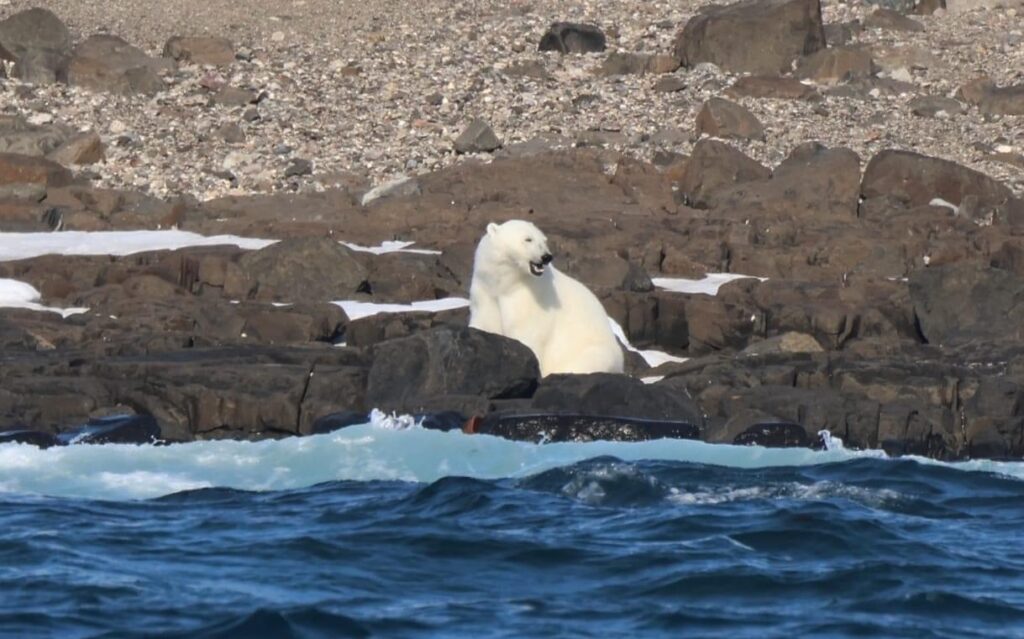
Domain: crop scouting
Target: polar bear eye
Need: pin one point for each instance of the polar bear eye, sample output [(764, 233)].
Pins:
[(529, 239)]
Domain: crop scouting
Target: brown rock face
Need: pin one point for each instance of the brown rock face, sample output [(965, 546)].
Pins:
[(108, 63), (915, 180), (754, 36), (724, 119), (23, 169), (714, 165)]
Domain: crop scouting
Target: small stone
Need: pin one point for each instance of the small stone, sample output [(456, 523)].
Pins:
[(231, 133), (282, 149), (277, 36), (669, 84), (251, 114), (570, 37), (298, 167), (84, 148), (892, 20), (931, 106), (477, 138), (39, 119), (725, 119), (118, 127)]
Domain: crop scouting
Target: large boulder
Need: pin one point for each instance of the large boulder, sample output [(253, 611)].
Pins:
[(714, 165), (753, 36), (32, 30), (294, 270), (964, 302), (915, 180), (447, 366), (608, 394), (27, 176), (108, 63), (722, 118)]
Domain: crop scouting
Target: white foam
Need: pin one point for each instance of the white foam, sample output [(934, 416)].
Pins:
[(356, 310), (16, 294), (708, 285), (383, 449)]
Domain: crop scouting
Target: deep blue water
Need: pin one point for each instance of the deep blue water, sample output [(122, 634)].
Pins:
[(863, 547)]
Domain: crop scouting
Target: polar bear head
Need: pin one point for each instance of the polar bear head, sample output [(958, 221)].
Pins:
[(522, 244)]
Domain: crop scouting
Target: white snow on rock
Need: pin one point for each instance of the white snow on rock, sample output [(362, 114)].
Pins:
[(15, 294), (709, 285)]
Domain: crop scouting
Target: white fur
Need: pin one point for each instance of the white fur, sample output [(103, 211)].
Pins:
[(561, 321)]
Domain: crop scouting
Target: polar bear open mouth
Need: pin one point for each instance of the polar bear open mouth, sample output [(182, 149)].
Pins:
[(537, 268)]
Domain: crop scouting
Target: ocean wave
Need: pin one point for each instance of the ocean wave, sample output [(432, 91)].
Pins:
[(378, 451)]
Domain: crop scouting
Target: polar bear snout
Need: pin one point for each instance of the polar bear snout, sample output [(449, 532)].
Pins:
[(537, 268)]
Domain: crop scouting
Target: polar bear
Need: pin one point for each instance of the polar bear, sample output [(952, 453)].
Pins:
[(516, 292)]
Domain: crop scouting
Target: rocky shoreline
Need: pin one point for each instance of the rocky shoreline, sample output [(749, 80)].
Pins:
[(887, 313)]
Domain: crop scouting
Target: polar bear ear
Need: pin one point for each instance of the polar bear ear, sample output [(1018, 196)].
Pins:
[(492, 228)]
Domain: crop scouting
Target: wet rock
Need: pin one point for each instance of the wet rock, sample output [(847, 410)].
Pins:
[(753, 36), (478, 137), (891, 21), (116, 429), (410, 372), (108, 63), (607, 394), (776, 87), (916, 180), (200, 50), (32, 437), (571, 37), (552, 428), (725, 119), (835, 65), (772, 435)]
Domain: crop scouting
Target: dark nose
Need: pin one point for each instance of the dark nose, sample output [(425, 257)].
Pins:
[(546, 258)]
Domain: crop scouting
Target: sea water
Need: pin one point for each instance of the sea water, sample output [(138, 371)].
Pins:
[(386, 529)]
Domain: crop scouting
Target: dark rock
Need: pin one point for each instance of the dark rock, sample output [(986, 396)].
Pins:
[(892, 21), (839, 34), (1004, 101), (337, 421), (611, 395), (813, 181), (410, 372), (962, 302), (915, 180), (753, 36), (549, 428), (301, 269), (366, 331), (478, 137), (724, 119), (298, 167), (41, 67), (774, 435), (116, 429), (836, 65), (200, 50), (32, 30), (32, 437), (776, 87), (570, 37), (108, 63), (714, 165)]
